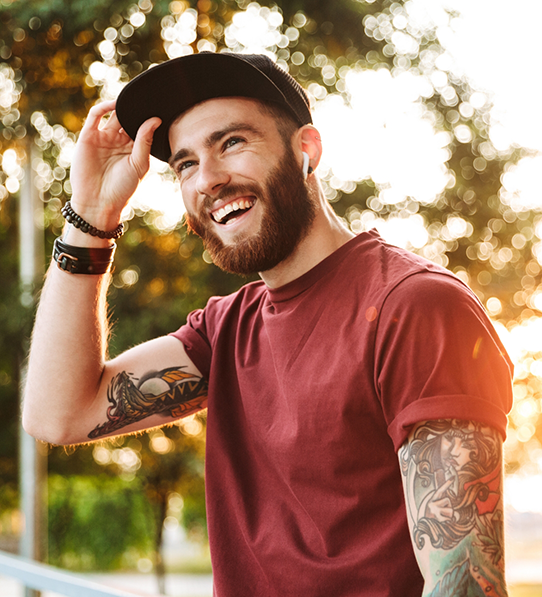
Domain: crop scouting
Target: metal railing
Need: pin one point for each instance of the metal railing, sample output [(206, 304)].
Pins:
[(42, 577)]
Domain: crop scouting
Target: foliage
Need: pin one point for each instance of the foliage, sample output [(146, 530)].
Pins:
[(15, 327), (159, 467), (94, 520)]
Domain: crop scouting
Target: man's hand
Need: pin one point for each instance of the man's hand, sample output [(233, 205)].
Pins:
[(108, 166), (440, 505)]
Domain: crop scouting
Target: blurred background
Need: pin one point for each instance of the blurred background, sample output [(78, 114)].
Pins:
[(429, 115)]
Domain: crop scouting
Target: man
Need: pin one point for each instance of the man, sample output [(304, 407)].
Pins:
[(357, 395)]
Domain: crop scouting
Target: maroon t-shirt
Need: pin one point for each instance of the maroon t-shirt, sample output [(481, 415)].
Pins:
[(313, 387)]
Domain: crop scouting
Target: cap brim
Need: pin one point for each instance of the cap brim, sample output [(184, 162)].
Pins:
[(170, 88)]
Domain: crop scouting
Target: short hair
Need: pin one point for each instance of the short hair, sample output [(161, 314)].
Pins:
[(286, 123)]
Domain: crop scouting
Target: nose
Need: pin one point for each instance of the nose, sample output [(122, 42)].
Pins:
[(455, 447), (212, 176)]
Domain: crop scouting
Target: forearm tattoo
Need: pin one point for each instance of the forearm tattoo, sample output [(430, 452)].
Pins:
[(453, 491), (171, 392)]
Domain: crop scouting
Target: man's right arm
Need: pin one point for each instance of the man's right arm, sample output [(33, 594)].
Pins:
[(73, 393)]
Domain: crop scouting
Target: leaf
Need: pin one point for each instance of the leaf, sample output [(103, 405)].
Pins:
[(454, 582), (490, 537)]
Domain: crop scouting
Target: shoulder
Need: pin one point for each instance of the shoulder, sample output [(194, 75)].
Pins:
[(431, 288), (431, 307), (220, 315), (434, 318), (384, 268), (220, 310)]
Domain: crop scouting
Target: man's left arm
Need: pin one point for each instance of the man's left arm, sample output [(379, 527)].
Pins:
[(452, 479)]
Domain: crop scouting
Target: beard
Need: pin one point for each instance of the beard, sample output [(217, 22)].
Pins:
[(288, 213)]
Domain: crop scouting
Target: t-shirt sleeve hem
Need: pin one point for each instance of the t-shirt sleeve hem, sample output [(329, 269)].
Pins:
[(469, 408), (196, 348)]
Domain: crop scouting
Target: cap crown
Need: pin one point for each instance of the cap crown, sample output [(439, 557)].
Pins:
[(173, 87)]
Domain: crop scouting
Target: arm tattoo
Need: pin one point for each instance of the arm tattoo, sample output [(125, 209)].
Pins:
[(452, 473), (171, 392)]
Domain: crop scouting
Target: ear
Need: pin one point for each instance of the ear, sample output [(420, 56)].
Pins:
[(307, 141)]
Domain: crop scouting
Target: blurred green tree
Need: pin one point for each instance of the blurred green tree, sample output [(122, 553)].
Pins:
[(94, 521), (15, 325), (153, 467)]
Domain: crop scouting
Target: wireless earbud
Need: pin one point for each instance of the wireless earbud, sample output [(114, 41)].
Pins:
[(306, 168)]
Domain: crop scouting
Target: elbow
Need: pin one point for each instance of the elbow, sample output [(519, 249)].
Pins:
[(36, 427), (45, 426), (47, 433), (30, 420)]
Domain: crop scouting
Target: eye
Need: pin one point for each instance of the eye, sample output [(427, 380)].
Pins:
[(232, 141), (183, 166)]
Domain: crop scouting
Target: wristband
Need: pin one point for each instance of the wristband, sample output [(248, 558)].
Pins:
[(83, 260), (84, 226)]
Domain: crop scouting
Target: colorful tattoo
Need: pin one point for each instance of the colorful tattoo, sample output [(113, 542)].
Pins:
[(464, 579), (452, 473), (171, 392)]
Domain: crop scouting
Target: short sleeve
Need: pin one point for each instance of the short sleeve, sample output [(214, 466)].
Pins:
[(193, 335), (438, 356)]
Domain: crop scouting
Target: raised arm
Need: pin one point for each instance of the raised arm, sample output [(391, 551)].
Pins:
[(73, 394), (452, 478)]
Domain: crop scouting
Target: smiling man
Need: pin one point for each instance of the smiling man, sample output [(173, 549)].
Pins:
[(253, 181), (357, 394)]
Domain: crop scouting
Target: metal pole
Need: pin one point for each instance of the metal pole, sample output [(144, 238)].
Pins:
[(32, 455)]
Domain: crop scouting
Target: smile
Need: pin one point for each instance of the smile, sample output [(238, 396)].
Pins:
[(228, 212)]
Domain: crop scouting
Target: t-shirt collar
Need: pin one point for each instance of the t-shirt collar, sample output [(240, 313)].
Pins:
[(319, 271)]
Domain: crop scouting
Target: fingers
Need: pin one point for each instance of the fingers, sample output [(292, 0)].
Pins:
[(142, 146), (97, 112), (140, 151), (439, 493), (445, 514)]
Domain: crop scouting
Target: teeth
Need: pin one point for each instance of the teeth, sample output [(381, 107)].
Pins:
[(233, 206)]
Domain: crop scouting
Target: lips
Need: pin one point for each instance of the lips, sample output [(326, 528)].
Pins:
[(231, 210)]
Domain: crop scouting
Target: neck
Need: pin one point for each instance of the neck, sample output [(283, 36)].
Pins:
[(324, 237)]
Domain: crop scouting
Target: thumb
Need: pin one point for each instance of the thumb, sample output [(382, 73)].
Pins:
[(141, 150)]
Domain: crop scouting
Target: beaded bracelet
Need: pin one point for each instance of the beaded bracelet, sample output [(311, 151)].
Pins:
[(84, 226)]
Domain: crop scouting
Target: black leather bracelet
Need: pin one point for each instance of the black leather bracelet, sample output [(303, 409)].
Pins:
[(83, 260), (77, 221)]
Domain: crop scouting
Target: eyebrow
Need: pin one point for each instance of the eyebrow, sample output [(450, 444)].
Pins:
[(215, 137)]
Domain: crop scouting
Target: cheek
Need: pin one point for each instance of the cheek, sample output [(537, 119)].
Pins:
[(250, 165), (189, 198), (464, 456)]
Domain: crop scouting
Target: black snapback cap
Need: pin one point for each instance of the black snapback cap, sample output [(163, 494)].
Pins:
[(172, 87)]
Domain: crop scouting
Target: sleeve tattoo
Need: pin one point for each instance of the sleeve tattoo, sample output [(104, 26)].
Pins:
[(171, 392), (452, 471)]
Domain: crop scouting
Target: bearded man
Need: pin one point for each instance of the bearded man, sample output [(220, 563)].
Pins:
[(315, 377)]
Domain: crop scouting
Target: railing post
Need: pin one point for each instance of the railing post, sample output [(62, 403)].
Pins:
[(32, 455)]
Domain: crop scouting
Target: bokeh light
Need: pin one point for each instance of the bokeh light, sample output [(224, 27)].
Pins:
[(384, 134)]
